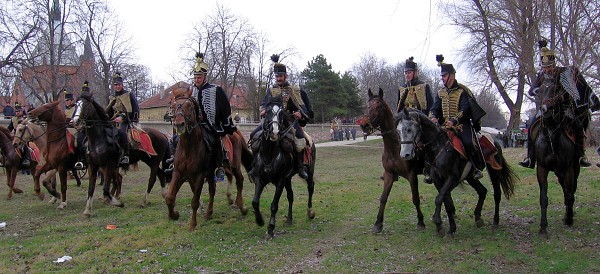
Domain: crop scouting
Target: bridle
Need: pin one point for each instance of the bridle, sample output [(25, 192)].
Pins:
[(375, 124), (179, 110)]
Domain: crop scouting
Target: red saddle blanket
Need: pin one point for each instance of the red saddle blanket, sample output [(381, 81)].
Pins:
[(487, 148), (71, 142), (228, 146), (141, 141), (34, 151)]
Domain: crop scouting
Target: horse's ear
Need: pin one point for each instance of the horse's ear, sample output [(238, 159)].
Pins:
[(380, 93), (370, 94)]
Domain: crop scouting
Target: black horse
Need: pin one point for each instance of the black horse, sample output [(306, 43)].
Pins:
[(555, 149), (103, 149), (274, 163), (448, 168)]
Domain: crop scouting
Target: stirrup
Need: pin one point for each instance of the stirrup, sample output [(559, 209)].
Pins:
[(124, 161), (170, 160), (477, 174), (220, 174), (79, 166), (428, 179), (583, 162), (302, 172), (169, 170)]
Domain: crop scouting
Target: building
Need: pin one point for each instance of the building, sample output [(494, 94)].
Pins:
[(155, 108)]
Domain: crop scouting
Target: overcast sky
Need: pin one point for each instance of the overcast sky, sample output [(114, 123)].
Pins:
[(342, 31)]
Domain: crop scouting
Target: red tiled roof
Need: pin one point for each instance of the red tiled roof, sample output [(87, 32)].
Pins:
[(164, 97)]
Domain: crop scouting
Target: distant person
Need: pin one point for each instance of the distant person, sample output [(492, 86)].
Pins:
[(568, 78), (14, 122), (419, 93), (353, 132), (8, 112)]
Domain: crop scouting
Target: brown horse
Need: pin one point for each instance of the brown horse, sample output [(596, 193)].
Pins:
[(194, 163), (28, 131), (379, 116), (11, 164), (57, 149)]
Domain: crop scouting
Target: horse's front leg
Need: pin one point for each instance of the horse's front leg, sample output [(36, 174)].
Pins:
[(11, 176), (259, 186), (290, 197), (112, 178), (211, 199), (196, 185), (388, 182), (151, 181), (542, 177), (275, 208), (443, 189), (93, 174), (451, 212), (174, 186), (62, 174), (568, 186), (50, 186), (481, 193)]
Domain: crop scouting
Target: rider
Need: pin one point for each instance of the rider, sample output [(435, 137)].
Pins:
[(455, 107), (215, 107), (419, 96), (124, 110), (70, 107), (14, 121), (419, 93), (295, 102), (573, 82)]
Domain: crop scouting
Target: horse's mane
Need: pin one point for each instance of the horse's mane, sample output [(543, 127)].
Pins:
[(5, 132), (99, 109), (275, 100)]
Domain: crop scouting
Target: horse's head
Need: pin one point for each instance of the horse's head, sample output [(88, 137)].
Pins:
[(87, 110), (410, 132), (554, 101), (23, 134), (377, 109), (276, 120), (186, 111), (45, 112)]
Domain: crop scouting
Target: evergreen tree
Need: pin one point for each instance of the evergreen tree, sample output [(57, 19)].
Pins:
[(323, 86)]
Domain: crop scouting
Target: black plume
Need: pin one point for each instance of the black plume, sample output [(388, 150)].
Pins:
[(275, 58), (439, 58), (86, 83), (411, 58), (199, 55), (542, 43)]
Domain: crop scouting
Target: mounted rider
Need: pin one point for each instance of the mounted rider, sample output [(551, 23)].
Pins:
[(80, 134), (584, 98), (216, 110), (455, 108), (123, 109), (297, 103), (419, 93), (20, 114)]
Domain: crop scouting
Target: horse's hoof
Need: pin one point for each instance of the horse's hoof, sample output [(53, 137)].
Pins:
[(41, 196), (52, 200), (260, 221), (420, 227), (174, 215), (479, 223), (9, 197), (17, 190), (568, 222), (440, 231), (311, 213), (62, 206), (377, 228), (87, 214), (269, 236), (543, 233), (244, 211)]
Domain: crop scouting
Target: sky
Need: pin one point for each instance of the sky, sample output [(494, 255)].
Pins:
[(342, 31)]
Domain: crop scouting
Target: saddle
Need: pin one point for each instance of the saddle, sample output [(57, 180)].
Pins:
[(486, 143), (33, 150), (140, 140), (537, 125), (71, 141)]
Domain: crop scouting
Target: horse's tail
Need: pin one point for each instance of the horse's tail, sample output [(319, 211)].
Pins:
[(505, 177), (247, 158)]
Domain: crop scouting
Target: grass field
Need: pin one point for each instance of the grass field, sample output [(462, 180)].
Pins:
[(338, 240)]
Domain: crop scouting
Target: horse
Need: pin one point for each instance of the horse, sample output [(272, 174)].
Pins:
[(274, 163), (379, 116), (103, 151), (11, 161), (194, 162), (26, 132), (160, 144), (556, 150), (448, 168)]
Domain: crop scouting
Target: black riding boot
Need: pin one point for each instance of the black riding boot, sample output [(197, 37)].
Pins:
[(300, 162), (529, 162), (26, 159), (428, 179), (583, 161), (478, 164), (220, 172), (81, 163)]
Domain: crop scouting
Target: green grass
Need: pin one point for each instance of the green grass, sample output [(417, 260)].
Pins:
[(339, 239)]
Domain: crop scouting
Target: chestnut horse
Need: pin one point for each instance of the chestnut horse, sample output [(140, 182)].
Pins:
[(160, 143), (28, 131), (193, 161), (11, 164), (274, 163), (379, 116), (57, 151)]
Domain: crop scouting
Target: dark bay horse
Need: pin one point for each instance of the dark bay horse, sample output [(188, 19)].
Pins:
[(11, 163), (57, 151), (555, 149), (379, 116), (448, 168), (103, 151), (274, 163), (160, 143), (193, 161)]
